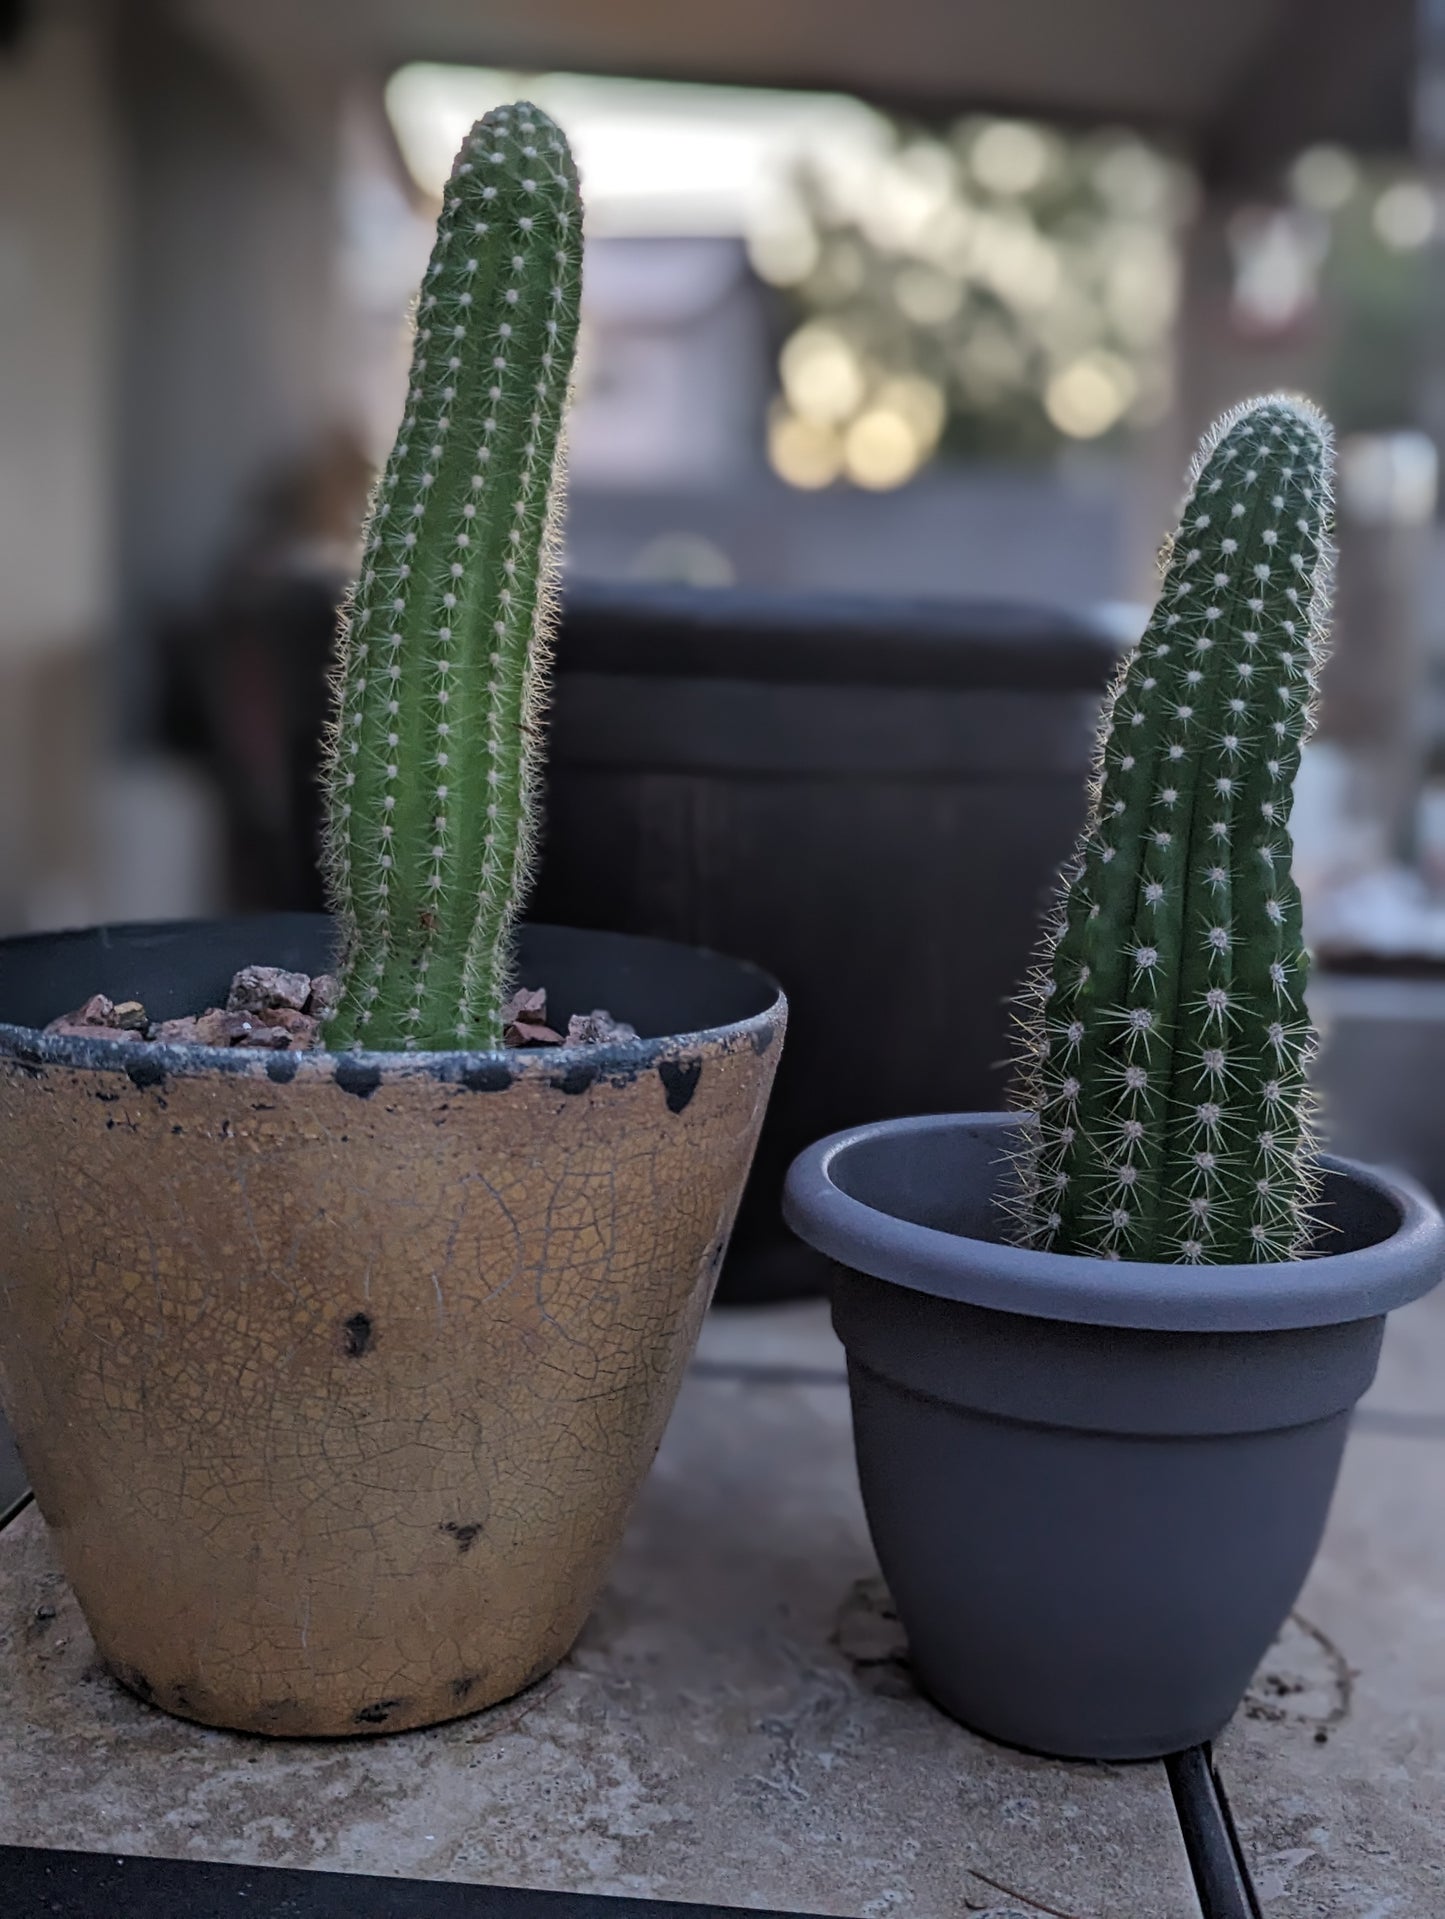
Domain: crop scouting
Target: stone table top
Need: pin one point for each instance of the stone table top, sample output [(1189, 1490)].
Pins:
[(734, 1726), (1336, 1766)]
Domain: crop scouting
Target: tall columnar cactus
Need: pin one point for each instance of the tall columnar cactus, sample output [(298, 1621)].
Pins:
[(431, 759), (1168, 1037)]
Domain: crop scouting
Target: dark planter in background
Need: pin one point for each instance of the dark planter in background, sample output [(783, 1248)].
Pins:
[(869, 798), (1095, 1487)]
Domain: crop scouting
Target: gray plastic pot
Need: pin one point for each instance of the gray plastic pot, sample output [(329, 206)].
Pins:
[(1095, 1488)]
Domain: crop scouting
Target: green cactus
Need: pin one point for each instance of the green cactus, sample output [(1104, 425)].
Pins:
[(1168, 1039), (431, 761)]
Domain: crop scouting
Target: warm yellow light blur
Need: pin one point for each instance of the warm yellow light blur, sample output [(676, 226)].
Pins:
[(991, 362), (920, 402), (1011, 256), (821, 375), (881, 450), (1141, 286), (927, 297), (1088, 397), (1404, 215), (1324, 177), (1009, 157), (803, 452), (783, 254), (1133, 179)]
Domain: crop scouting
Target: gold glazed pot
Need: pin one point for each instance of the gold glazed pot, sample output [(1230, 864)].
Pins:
[(335, 1376)]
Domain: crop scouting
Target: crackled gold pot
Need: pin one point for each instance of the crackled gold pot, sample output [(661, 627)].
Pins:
[(335, 1377)]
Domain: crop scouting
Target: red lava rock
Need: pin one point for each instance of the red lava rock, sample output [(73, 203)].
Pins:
[(176, 1032), (524, 1019), (219, 1027), (597, 1028), (325, 992), (88, 1029), (300, 1028), (258, 988), (97, 1011)]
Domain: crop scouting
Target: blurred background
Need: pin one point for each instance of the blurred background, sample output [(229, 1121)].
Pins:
[(901, 322)]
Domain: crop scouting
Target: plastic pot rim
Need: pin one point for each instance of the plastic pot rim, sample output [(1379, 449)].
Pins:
[(1325, 1290)]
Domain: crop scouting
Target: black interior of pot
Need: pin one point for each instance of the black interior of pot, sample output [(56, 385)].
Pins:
[(184, 966)]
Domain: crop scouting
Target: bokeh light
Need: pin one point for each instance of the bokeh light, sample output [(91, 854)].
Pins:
[(989, 286), (1324, 178), (821, 375), (1404, 215), (803, 452), (1090, 396), (1009, 157), (881, 448)]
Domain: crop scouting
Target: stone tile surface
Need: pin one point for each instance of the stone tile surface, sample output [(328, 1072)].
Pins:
[(734, 1725), (1336, 1765)]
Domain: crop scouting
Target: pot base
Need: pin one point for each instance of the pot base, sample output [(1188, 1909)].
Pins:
[(303, 1719)]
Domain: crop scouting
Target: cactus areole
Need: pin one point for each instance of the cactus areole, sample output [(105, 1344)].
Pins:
[(1167, 1033), (431, 764)]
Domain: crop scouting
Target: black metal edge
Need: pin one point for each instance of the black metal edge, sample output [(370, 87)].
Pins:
[(1211, 1840), (14, 1484), (38, 1883), (748, 1372)]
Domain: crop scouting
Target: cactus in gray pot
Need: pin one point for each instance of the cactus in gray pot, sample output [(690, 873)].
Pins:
[(431, 760), (1167, 1035)]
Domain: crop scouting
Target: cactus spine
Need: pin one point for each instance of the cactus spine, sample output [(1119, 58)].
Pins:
[(431, 756), (1167, 1035)]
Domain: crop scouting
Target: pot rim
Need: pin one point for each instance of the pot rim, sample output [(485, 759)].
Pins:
[(147, 1061), (1137, 1294)]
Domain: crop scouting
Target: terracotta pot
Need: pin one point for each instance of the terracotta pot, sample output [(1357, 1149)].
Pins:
[(335, 1376)]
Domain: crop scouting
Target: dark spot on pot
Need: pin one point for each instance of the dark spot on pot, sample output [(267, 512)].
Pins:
[(177, 1129), (281, 1068), (487, 1076), (354, 1076), (134, 1680), (263, 1106), (465, 1536), (679, 1079), (576, 1079), (461, 1687), (146, 1072), (357, 1334), (764, 1038), (107, 1099), (181, 1698), (378, 1714)]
